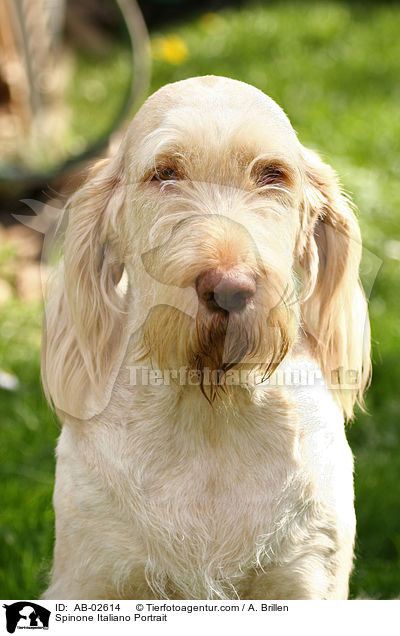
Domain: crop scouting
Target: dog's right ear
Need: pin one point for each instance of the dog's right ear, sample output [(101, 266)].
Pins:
[(83, 329)]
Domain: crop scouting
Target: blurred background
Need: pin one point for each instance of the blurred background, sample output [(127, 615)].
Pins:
[(71, 73)]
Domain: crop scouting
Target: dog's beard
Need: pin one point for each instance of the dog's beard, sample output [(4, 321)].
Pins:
[(222, 340), (251, 341), (255, 340)]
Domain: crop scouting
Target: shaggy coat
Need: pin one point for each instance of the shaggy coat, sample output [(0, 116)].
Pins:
[(205, 338)]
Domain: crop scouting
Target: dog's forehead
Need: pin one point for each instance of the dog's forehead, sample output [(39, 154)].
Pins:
[(215, 93), (217, 104)]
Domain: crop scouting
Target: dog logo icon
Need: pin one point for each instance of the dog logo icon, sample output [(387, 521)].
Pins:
[(26, 615)]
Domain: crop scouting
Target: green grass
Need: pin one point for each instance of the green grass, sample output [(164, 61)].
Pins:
[(334, 68), (28, 436)]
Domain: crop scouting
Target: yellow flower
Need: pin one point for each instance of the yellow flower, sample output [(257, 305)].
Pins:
[(171, 49)]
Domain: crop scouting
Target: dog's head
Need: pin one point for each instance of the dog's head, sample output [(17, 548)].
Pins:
[(233, 239)]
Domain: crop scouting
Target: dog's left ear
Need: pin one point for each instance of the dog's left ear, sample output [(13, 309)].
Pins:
[(333, 305)]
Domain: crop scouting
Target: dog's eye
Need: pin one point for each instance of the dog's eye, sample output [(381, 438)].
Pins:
[(269, 176), (165, 174)]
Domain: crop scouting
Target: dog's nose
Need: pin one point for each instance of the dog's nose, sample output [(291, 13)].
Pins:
[(229, 290)]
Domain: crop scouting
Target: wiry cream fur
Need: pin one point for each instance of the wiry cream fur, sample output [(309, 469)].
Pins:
[(184, 491)]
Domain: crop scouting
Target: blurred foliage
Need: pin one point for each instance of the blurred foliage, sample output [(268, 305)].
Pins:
[(99, 86), (334, 68)]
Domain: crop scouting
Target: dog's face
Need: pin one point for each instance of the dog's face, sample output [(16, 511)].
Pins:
[(234, 238), (212, 214)]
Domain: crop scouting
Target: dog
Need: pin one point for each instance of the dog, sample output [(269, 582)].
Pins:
[(207, 265)]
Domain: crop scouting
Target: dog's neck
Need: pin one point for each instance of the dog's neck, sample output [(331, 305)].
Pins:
[(177, 394)]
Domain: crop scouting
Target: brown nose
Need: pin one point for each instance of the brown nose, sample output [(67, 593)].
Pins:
[(229, 290)]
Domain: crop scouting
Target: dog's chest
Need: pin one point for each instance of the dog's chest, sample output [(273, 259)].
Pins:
[(207, 483), (198, 489)]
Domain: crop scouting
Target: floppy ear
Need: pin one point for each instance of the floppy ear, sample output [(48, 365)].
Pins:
[(333, 305), (83, 330)]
